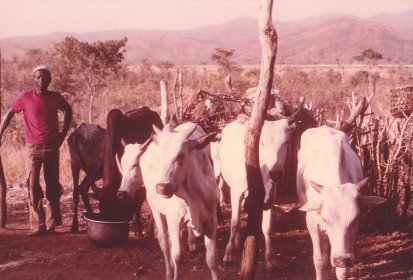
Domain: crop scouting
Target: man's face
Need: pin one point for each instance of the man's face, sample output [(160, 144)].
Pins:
[(41, 79)]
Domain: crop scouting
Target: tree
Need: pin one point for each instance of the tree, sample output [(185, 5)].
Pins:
[(165, 67), (222, 58), (92, 62), (371, 57), (256, 191)]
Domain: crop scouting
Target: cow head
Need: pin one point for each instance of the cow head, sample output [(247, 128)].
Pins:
[(110, 207), (174, 149), (130, 169), (338, 215)]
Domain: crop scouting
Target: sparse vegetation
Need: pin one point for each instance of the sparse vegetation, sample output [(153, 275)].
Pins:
[(134, 86), (388, 159)]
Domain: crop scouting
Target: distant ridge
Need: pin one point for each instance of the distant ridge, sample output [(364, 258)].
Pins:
[(314, 40)]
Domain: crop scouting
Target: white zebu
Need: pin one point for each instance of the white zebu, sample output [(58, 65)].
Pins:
[(180, 188), (272, 155), (329, 180)]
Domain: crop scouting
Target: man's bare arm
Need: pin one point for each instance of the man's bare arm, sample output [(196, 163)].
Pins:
[(8, 116)]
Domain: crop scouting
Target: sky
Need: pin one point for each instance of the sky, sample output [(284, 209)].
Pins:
[(35, 17)]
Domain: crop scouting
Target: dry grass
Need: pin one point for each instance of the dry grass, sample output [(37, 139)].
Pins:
[(134, 91)]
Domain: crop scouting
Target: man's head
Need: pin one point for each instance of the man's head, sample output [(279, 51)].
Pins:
[(42, 77)]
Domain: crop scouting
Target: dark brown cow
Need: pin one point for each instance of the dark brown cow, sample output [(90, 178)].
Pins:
[(132, 127)]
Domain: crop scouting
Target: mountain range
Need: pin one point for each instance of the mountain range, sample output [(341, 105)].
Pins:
[(316, 40)]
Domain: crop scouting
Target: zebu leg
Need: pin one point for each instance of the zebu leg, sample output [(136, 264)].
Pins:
[(174, 225), (210, 240), (320, 247), (163, 240), (191, 240), (75, 175), (235, 225), (342, 273), (267, 229), (84, 187), (221, 185)]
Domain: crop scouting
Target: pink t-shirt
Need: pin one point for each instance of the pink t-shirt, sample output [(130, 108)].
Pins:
[(40, 115)]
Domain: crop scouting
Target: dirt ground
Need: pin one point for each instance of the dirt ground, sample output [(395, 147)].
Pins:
[(379, 255)]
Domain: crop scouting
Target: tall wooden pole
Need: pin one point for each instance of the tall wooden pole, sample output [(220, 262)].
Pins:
[(3, 187), (256, 191), (164, 102)]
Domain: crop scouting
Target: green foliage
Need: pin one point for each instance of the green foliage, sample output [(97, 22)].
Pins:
[(92, 62)]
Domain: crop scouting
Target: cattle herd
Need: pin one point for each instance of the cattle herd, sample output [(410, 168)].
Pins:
[(181, 170)]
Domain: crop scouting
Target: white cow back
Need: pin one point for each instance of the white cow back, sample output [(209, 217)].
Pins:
[(327, 158), (272, 152), (272, 156)]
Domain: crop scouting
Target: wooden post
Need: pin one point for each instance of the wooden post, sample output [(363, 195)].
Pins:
[(181, 105), (164, 102), (256, 192), (92, 100), (3, 186), (228, 83), (174, 97)]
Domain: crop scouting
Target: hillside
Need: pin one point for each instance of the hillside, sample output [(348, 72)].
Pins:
[(308, 41)]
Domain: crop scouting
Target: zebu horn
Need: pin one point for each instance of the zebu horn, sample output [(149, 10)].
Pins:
[(119, 164), (355, 112)]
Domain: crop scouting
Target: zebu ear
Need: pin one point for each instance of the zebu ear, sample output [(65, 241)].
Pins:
[(188, 132), (202, 141), (369, 200), (308, 207), (316, 186)]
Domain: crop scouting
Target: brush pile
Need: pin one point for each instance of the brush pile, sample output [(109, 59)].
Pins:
[(213, 111), (401, 102)]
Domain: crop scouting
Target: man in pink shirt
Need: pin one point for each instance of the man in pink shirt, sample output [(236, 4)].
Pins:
[(40, 108)]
